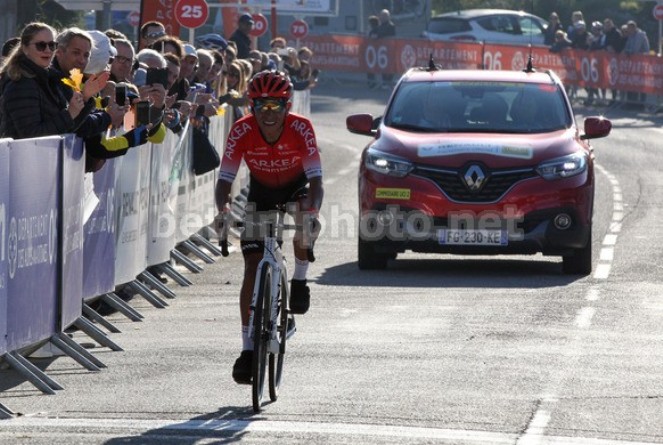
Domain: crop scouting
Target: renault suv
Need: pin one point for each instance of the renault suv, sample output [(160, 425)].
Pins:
[(477, 162)]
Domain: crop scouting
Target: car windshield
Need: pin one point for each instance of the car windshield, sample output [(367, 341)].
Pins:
[(482, 107)]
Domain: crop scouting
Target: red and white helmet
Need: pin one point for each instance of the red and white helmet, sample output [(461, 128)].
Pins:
[(270, 84)]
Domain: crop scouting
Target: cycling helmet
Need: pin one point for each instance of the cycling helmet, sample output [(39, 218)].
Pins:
[(273, 84)]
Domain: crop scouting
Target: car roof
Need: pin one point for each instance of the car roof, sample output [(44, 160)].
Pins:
[(472, 13), (423, 75)]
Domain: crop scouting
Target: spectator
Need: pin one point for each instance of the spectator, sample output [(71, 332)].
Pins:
[(149, 32), (636, 40), (636, 43), (31, 102), (576, 16), (373, 23), (614, 43), (105, 144), (187, 67), (386, 28), (121, 68), (212, 42), (553, 26), (216, 78), (168, 44), (596, 43), (306, 77), (561, 42), (241, 36), (231, 53), (255, 57), (205, 61), (73, 53), (8, 46), (237, 87), (277, 43), (114, 34), (580, 38)]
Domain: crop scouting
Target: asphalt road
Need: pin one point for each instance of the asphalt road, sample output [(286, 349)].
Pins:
[(437, 349)]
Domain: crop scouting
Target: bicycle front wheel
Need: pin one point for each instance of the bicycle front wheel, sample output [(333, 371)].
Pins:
[(261, 334), (276, 360)]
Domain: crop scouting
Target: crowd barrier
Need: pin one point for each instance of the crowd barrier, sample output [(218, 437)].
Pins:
[(69, 238)]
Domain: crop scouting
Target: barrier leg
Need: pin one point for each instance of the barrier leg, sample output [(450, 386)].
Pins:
[(191, 247), (96, 334), (184, 261), (6, 413), (196, 237), (175, 275), (78, 353), (153, 281), (32, 373), (122, 307), (96, 317), (150, 296)]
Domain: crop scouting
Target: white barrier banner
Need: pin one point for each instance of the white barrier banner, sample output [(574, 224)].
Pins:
[(132, 182), (184, 189), (163, 199), (301, 102)]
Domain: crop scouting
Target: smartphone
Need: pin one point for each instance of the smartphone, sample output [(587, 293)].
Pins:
[(157, 75), (142, 113), (282, 52), (121, 95)]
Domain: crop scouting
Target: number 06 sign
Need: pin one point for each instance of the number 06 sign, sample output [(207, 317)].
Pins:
[(191, 13)]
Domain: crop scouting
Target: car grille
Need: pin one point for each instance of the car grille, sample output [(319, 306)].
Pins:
[(451, 182)]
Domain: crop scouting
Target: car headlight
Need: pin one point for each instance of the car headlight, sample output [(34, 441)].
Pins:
[(563, 167), (386, 164)]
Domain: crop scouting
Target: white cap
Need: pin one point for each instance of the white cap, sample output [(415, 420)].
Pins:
[(101, 53)]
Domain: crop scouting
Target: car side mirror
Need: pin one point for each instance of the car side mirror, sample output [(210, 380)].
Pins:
[(596, 127), (362, 124)]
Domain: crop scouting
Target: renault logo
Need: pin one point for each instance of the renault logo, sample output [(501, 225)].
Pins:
[(474, 178)]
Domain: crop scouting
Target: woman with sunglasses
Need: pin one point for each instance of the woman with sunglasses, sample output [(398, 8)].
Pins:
[(282, 155), (31, 101)]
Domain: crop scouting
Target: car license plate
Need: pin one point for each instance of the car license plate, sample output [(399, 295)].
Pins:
[(473, 237)]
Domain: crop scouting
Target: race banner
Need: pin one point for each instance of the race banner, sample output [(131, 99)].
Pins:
[(4, 214), (71, 230), (99, 240), (32, 241), (595, 69), (182, 167)]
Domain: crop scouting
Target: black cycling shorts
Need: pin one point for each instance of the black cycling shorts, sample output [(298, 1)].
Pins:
[(263, 199)]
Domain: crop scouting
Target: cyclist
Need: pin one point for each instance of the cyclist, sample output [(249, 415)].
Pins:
[(281, 153)]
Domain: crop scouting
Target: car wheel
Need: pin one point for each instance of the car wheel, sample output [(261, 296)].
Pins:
[(368, 258), (580, 262)]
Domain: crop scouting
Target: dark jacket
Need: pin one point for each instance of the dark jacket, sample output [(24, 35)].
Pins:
[(34, 105), (90, 121), (243, 43), (386, 29)]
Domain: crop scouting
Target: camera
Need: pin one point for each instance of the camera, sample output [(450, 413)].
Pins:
[(157, 75)]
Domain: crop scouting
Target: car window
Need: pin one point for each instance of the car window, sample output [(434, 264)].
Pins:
[(493, 107), (499, 23), (531, 27), (448, 25)]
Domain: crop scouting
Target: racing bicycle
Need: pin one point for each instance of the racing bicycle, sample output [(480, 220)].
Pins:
[(270, 322)]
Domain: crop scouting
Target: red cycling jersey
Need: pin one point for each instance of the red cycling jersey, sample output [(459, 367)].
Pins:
[(274, 165)]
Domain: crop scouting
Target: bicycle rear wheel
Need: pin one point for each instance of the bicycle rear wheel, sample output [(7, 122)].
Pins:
[(276, 360), (261, 320)]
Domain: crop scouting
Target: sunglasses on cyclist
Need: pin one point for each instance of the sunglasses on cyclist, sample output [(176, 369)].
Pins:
[(275, 105), (41, 46)]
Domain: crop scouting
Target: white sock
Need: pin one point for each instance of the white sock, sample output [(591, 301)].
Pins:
[(247, 341), (301, 267)]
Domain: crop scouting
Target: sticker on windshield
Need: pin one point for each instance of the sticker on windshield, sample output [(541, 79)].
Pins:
[(459, 148), (392, 193)]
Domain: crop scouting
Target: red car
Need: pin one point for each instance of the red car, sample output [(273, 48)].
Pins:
[(477, 162)]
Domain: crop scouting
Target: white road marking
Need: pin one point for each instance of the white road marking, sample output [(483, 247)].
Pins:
[(201, 428), (584, 318)]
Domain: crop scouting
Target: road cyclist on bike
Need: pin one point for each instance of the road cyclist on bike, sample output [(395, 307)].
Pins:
[(281, 153)]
